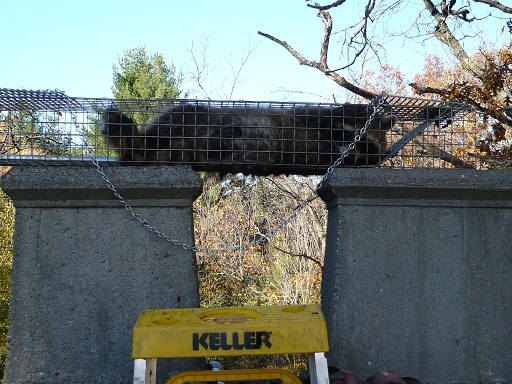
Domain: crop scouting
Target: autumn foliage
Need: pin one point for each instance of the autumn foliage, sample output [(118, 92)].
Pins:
[(243, 261), (489, 95)]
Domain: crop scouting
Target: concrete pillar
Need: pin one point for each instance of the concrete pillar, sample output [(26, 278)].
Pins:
[(84, 268), (418, 273)]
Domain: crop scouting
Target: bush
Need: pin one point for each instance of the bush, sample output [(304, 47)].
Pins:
[(6, 232)]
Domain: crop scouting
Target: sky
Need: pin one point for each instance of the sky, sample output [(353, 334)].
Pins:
[(72, 46)]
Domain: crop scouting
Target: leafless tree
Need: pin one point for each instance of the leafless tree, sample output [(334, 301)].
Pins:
[(459, 25), (202, 67), (450, 22)]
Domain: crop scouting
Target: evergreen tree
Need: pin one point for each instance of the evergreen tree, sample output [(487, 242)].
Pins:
[(140, 75)]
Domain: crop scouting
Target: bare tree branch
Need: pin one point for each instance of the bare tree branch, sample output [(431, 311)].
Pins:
[(246, 53), (317, 262), (322, 64), (423, 89), (443, 33), (201, 69), (327, 20), (436, 151), (495, 4), (293, 52), (448, 10), (284, 188), (441, 154), (363, 31), (445, 93), (326, 7)]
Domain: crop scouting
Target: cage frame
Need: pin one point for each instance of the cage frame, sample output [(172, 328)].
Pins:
[(420, 113)]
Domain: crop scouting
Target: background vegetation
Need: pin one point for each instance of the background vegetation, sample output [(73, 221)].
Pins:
[(6, 232)]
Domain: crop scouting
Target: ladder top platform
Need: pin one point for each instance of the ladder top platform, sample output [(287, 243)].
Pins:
[(241, 331)]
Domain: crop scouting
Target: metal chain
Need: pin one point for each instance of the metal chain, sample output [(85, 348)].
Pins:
[(376, 103), (110, 185)]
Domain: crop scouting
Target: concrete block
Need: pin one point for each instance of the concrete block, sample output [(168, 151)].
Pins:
[(84, 268), (418, 273)]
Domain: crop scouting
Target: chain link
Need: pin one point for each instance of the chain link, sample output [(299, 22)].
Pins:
[(376, 103)]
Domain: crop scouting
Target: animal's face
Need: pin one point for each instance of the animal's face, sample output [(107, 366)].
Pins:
[(348, 121)]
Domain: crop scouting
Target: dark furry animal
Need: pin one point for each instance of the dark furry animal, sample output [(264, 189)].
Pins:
[(259, 141)]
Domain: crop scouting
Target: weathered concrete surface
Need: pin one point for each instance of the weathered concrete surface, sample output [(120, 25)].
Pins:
[(418, 273), (84, 268)]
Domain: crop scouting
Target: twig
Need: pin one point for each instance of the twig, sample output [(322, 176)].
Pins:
[(288, 47), (317, 262), (323, 67)]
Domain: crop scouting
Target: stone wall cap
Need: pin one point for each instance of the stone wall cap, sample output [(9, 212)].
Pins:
[(86, 183), (418, 183)]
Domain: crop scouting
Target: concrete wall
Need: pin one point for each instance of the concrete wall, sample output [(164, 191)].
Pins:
[(417, 277), (84, 268), (418, 273)]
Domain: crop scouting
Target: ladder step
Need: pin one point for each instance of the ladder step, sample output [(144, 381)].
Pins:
[(241, 331), (234, 375)]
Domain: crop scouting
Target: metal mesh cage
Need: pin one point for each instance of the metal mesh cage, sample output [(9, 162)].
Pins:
[(48, 127)]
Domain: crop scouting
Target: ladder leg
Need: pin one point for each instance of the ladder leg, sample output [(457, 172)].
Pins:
[(139, 371), (144, 371), (150, 371), (318, 370)]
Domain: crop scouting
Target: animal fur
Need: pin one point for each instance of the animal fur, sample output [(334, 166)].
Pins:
[(259, 141)]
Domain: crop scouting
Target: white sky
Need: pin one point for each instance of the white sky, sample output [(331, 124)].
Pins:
[(72, 46)]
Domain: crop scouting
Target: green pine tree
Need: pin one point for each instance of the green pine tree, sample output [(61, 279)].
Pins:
[(140, 75)]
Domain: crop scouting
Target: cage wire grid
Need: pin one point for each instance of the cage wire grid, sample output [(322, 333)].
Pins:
[(260, 137)]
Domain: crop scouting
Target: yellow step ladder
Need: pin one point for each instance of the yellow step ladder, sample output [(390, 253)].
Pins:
[(241, 331)]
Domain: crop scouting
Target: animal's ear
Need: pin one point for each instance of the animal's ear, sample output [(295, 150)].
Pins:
[(387, 121), (340, 112), (114, 116), (351, 111)]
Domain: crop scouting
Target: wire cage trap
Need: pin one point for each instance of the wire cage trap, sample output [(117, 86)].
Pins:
[(50, 128)]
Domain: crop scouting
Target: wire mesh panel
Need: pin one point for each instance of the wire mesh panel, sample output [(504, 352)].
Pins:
[(431, 134), (48, 127)]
